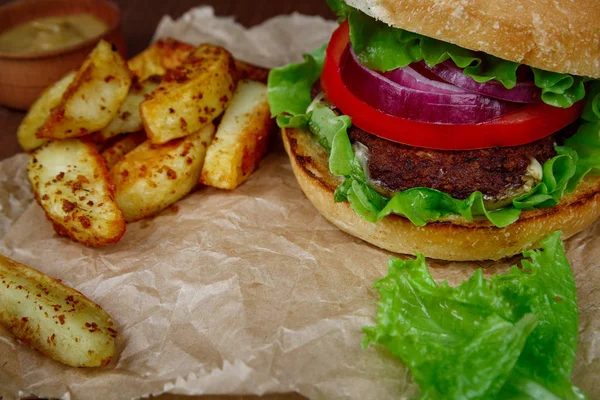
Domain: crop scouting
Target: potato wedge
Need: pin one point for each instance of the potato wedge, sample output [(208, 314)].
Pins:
[(113, 153), (128, 117), (162, 55), (251, 72), (241, 139), (70, 182), (152, 177), (54, 319), (170, 53), (190, 96), (174, 52), (40, 111), (93, 99), (147, 63)]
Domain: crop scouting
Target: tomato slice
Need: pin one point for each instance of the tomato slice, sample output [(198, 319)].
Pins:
[(525, 125)]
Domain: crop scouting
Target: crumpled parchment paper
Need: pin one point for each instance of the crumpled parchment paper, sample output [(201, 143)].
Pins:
[(243, 292)]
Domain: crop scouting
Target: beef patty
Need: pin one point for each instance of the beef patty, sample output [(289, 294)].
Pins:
[(496, 172)]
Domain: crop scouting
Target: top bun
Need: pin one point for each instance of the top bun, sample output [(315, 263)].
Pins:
[(554, 35)]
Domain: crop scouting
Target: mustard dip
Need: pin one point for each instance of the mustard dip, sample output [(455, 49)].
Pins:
[(51, 33)]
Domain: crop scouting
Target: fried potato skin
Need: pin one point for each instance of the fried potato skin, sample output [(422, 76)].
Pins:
[(251, 72), (113, 153), (54, 319), (191, 95), (147, 63), (174, 52), (152, 177), (94, 97), (128, 117), (40, 111), (170, 53), (241, 139), (162, 55), (70, 182)]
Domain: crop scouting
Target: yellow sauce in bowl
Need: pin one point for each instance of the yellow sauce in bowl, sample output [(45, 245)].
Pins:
[(51, 33)]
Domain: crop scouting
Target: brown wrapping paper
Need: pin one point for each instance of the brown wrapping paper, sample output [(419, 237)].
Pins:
[(243, 292)]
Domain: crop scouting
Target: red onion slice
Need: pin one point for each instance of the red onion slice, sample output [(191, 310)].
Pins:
[(523, 92), (422, 99), (412, 79)]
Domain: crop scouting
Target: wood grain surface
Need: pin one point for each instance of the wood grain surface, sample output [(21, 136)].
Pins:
[(139, 19)]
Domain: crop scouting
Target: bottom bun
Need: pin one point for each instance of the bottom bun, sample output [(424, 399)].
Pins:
[(454, 238)]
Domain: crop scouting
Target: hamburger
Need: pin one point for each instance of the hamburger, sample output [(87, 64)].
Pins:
[(464, 130)]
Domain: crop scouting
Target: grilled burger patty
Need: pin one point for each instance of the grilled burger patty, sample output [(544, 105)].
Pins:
[(498, 173)]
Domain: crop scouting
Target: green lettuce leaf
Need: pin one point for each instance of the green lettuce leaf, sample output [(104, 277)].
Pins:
[(513, 336), (422, 205), (557, 174), (545, 288), (586, 143), (591, 111), (383, 48), (333, 137), (559, 90), (340, 8), (288, 88), (376, 44)]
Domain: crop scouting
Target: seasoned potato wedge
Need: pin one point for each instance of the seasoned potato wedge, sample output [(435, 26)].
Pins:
[(70, 182), (147, 63), (241, 139), (40, 111), (128, 117), (113, 153), (251, 72), (54, 319), (152, 177), (93, 99), (174, 52), (162, 55), (190, 96)]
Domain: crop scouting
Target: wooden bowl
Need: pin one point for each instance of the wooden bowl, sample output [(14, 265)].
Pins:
[(24, 76)]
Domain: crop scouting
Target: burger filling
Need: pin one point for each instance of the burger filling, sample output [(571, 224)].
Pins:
[(501, 174), (428, 130)]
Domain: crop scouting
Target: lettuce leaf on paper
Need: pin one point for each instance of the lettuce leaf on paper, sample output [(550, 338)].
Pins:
[(545, 288), (381, 47), (289, 96), (513, 336)]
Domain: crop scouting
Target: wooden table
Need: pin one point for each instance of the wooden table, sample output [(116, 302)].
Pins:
[(139, 20)]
